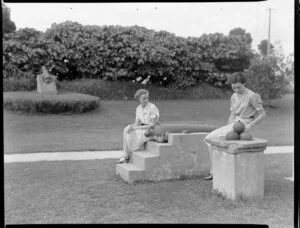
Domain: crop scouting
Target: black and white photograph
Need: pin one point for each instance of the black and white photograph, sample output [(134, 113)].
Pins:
[(149, 113)]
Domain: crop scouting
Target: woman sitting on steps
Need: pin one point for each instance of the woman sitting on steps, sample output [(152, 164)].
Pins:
[(147, 115)]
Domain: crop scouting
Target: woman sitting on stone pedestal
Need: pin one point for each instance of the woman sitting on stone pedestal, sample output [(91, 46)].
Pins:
[(46, 82), (245, 105)]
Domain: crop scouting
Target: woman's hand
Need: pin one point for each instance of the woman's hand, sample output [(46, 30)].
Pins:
[(152, 125), (131, 128)]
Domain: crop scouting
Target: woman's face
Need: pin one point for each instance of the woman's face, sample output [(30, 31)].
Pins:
[(238, 87), (144, 99)]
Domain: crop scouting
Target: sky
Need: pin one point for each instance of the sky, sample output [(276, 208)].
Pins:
[(182, 19)]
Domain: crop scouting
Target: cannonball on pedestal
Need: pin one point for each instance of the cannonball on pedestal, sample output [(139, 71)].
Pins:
[(232, 135), (239, 127), (246, 136)]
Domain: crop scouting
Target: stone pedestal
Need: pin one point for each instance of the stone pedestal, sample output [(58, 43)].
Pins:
[(238, 167)]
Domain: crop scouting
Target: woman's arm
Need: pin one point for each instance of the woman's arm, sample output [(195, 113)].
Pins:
[(137, 122), (144, 127), (231, 118), (260, 115), (256, 103), (153, 118), (232, 115)]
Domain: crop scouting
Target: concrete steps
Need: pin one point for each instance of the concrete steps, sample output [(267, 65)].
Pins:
[(130, 172), (185, 154), (144, 159), (142, 163), (158, 148)]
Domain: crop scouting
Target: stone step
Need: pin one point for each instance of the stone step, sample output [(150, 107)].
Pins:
[(157, 148), (129, 172), (145, 160)]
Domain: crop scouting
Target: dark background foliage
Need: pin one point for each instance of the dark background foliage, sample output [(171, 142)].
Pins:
[(73, 51)]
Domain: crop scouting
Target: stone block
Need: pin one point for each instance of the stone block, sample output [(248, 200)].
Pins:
[(130, 172), (144, 159), (238, 167)]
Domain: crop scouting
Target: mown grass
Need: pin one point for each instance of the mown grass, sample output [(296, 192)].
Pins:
[(102, 129), (90, 192)]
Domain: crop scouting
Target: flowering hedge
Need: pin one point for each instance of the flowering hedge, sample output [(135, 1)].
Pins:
[(72, 51)]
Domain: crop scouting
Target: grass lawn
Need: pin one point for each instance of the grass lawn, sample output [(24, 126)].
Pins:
[(90, 192), (102, 129)]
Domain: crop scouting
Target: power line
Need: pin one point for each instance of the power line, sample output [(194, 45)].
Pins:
[(269, 32)]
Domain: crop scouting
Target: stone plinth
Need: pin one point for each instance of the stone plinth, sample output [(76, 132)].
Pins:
[(238, 167)]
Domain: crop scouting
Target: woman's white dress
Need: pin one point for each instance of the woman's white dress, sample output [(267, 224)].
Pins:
[(135, 140)]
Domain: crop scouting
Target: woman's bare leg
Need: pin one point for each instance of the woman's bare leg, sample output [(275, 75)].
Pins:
[(222, 131), (125, 152)]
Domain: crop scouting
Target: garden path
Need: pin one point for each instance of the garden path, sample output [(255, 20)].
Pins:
[(91, 155)]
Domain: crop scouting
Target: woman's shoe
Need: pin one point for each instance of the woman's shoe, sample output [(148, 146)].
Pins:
[(209, 177), (123, 160)]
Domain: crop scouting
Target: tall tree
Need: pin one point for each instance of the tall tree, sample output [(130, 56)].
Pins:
[(241, 32), (8, 25), (263, 47)]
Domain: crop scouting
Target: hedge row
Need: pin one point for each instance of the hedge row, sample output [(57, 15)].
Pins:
[(115, 90), (21, 84), (71, 51), (32, 102)]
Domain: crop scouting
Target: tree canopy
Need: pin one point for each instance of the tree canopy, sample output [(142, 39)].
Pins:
[(263, 47), (8, 26), (241, 32)]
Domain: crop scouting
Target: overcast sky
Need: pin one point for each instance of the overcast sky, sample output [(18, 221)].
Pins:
[(182, 19)]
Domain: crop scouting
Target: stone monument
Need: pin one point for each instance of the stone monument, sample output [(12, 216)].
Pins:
[(46, 82)]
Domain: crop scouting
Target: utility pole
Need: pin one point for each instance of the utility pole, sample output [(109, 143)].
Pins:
[(269, 33)]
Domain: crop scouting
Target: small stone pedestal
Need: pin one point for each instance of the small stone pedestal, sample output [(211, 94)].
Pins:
[(238, 167)]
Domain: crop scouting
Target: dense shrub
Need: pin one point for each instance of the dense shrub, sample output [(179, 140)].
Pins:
[(33, 102), (110, 90), (72, 51), (265, 77), (115, 90), (25, 50)]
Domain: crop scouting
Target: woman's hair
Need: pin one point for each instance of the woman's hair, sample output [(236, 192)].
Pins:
[(238, 77), (140, 92)]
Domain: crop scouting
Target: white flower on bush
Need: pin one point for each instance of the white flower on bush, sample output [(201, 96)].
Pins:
[(277, 73), (138, 79), (145, 81), (66, 61)]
